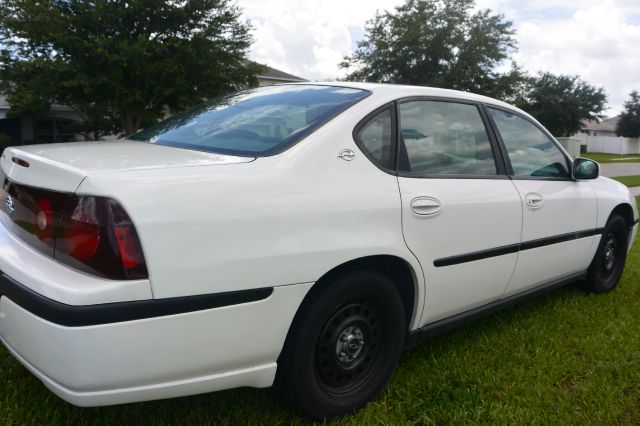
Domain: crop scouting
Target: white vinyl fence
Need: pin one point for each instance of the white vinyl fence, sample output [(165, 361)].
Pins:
[(613, 145)]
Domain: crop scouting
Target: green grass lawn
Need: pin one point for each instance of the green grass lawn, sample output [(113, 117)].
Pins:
[(563, 358), (612, 158), (628, 180)]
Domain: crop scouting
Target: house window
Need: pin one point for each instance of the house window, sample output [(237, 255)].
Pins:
[(52, 130)]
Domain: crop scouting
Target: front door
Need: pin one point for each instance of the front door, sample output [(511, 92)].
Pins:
[(461, 215), (559, 237)]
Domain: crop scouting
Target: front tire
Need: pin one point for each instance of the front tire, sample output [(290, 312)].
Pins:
[(607, 265), (343, 346)]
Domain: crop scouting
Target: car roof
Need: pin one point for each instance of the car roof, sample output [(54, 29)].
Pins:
[(397, 91)]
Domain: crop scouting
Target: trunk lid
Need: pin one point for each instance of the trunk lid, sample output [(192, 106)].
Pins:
[(62, 167)]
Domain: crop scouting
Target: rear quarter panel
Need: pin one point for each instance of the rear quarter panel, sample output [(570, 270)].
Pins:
[(276, 221)]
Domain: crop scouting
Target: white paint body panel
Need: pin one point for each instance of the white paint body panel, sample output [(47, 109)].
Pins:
[(63, 166), (609, 194), (212, 223), (476, 214), (567, 206), (154, 358)]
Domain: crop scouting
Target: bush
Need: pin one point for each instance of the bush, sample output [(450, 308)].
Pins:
[(5, 141)]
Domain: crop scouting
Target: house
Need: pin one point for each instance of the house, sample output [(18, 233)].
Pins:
[(56, 127), (274, 76), (601, 137), (605, 127), (271, 76)]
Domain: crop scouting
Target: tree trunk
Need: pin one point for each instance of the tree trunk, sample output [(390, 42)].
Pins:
[(129, 120)]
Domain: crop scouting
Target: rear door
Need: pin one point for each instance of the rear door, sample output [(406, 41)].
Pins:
[(559, 214), (461, 214)]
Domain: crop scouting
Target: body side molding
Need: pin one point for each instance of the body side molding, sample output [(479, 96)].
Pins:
[(513, 248), (107, 313)]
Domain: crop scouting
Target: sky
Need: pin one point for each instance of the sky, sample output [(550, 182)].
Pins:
[(599, 40)]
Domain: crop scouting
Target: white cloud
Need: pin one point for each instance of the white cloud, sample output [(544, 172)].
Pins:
[(305, 37), (594, 39), (598, 40)]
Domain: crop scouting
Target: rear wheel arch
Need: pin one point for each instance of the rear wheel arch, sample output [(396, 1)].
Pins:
[(395, 268)]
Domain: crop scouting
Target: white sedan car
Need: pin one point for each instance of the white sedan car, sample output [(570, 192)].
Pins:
[(301, 235)]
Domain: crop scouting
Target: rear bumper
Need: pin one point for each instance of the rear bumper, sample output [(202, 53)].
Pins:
[(153, 358), (258, 376)]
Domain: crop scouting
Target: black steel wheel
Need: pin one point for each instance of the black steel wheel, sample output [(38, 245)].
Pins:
[(347, 348), (343, 346), (608, 263)]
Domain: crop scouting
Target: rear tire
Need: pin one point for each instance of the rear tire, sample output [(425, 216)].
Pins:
[(608, 263), (343, 346)]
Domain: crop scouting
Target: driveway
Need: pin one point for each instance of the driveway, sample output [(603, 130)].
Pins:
[(619, 169)]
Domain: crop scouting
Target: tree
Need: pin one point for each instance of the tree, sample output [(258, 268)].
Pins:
[(562, 102), (437, 43), (629, 123), (121, 63)]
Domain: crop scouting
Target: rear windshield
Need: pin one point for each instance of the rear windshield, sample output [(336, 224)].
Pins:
[(257, 122)]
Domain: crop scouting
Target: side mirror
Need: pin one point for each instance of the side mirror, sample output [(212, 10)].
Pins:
[(584, 169)]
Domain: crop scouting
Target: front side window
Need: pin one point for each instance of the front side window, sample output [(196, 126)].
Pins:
[(375, 138), (531, 152), (256, 122), (444, 138)]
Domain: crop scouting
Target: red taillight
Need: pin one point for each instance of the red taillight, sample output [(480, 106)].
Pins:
[(96, 235), (82, 239), (31, 213), (91, 234), (129, 251), (80, 229)]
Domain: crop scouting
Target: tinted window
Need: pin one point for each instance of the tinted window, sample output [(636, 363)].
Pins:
[(444, 138), (375, 138), (531, 151), (255, 122)]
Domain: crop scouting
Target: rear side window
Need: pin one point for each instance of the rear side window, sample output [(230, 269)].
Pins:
[(375, 138), (531, 152), (444, 138), (257, 122)]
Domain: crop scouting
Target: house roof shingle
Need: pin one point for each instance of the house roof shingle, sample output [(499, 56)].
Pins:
[(608, 125), (275, 74)]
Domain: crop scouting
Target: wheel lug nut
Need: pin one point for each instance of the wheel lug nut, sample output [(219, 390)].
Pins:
[(343, 338)]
